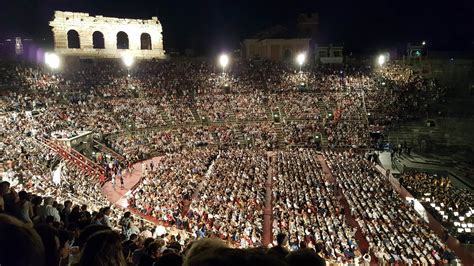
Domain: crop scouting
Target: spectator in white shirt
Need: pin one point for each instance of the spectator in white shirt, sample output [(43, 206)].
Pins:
[(106, 221), (49, 210)]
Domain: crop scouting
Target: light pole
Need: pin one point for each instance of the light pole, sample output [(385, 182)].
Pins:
[(223, 61), (300, 58), (128, 62), (381, 60), (52, 61)]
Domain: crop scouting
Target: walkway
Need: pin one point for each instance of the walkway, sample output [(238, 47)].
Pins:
[(363, 244), (210, 170), (118, 196), (268, 209)]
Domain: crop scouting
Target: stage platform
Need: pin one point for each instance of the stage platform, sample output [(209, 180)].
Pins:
[(386, 162), (448, 168), (118, 196)]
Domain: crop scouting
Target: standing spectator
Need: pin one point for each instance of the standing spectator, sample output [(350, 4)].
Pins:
[(125, 223), (49, 210), (106, 211), (25, 210), (66, 212), (280, 250)]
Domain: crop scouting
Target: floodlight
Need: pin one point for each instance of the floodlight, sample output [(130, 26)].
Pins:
[(381, 60), (300, 59), (52, 60), (223, 60), (127, 60), (423, 43)]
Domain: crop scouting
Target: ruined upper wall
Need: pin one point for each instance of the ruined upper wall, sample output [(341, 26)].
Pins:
[(85, 25)]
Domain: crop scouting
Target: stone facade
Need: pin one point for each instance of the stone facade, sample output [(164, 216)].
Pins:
[(274, 49), (143, 37), (329, 54)]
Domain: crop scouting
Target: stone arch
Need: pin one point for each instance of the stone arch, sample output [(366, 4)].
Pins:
[(145, 41), (98, 40), (73, 40), (122, 40), (287, 54)]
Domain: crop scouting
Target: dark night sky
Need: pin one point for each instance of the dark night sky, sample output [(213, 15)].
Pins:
[(212, 25)]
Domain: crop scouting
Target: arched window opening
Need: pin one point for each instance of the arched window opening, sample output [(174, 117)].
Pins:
[(287, 54), (98, 40), (122, 40), (73, 40), (145, 41)]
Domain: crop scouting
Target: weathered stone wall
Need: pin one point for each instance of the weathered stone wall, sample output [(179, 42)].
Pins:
[(86, 25), (274, 49)]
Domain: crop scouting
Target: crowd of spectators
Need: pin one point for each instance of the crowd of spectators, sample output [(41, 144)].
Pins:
[(306, 208), (195, 118), (393, 229), (167, 188), (231, 198)]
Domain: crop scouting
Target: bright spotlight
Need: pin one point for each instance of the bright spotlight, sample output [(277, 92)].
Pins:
[(52, 60), (300, 59), (127, 60), (223, 60), (381, 60), (423, 43)]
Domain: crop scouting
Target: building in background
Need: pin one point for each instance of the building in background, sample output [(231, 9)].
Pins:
[(274, 49), (332, 54), (281, 43)]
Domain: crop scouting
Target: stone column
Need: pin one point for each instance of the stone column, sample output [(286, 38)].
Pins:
[(110, 39), (85, 37), (60, 38), (134, 39)]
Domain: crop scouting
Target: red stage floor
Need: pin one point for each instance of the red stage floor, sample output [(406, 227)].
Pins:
[(118, 196)]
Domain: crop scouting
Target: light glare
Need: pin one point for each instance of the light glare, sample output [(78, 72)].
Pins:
[(381, 60), (223, 60), (301, 58), (51, 60), (127, 60)]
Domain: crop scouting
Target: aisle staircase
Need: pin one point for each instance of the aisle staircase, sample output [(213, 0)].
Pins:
[(75, 157), (103, 148), (280, 136), (324, 141), (165, 116), (195, 113)]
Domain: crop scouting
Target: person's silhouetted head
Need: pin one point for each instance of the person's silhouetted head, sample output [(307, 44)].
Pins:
[(50, 237), (169, 259), (103, 248), (305, 257), (281, 239), (20, 245), (88, 231), (201, 248)]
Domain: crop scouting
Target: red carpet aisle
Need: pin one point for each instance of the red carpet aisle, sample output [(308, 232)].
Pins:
[(268, 209), (363, 244), (118, 196)]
